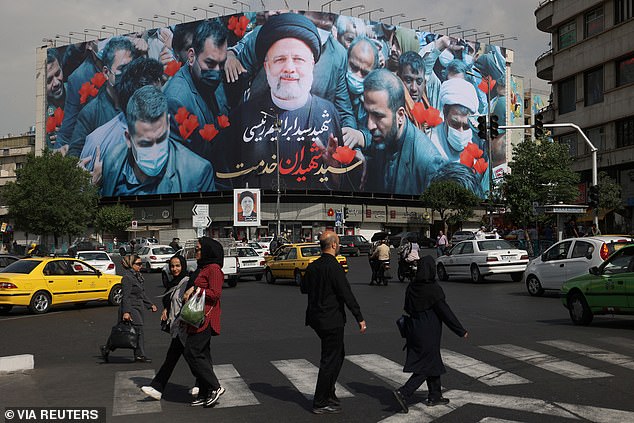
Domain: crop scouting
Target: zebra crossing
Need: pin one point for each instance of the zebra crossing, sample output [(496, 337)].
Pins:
[(302, 375)]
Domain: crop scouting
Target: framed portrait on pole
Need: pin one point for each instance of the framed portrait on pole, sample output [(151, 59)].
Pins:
[(246, 207)]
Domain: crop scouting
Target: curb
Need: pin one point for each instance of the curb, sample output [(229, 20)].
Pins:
[(15, 363)]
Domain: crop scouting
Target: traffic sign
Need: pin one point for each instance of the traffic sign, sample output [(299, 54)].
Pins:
[(201, 221), (338, 215), (200, 210), (135, 224)]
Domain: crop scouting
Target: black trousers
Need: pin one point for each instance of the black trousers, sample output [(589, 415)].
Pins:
[(198, 356), (416, 380), (174, 353), (332, 355)]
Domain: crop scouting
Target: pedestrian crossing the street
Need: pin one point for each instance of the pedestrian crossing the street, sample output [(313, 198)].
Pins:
[(302, 375)]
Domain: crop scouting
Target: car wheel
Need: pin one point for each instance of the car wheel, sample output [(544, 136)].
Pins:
[(5, 308), (40, 302), (580, 312), (516, 276), (116, 295), (476, 276), (442, 273), (298, 277), (268, 275), (232, 282), (534, 286)]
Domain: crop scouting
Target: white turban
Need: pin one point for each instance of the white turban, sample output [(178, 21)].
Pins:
[(458, 91)]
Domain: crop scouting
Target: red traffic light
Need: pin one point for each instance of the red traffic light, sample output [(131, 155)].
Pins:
[(331, 212)]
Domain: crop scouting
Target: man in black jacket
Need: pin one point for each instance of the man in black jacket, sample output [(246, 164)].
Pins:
[(328, 290)]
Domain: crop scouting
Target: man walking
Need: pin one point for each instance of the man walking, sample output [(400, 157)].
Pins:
[(328, 290)]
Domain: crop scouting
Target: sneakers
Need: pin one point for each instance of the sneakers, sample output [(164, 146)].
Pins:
[(151, 392), (142, 359), (213, 397), (401, 400), (440, 401), (198, 402), (194, 391), (329, 409), (104, 352)]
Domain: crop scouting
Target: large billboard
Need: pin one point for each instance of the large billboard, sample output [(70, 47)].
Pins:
[(307, 100)]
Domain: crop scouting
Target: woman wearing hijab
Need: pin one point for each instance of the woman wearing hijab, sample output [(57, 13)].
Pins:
[(425, 303), (133, 300), (207, 280), (172, 304)]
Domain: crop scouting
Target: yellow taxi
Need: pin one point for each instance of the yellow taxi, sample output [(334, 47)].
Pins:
[(41, 282), (290, 261)]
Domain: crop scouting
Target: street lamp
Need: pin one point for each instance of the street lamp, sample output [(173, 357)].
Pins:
[(116, 30), (241, 4), (462, 32), (99, 31), (328, 3), (50, 41), (441, 23), (79, 33), (132, 25), (362, 7), (380, 9), (207, 11), (151, 20), (224, 8), (493, 36), (480, 33), (69, 38), (277, 125), (402, 15), (505, 38), (411, 21), (174, 12), (163, 16), (451, 27)]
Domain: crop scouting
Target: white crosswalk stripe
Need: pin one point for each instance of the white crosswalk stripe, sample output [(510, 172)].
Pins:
[(303, 375), (128, 397), (546, 362), (592, 352), (494, 420), (386, 369), (237, 392), (617, 340), (479, 370)]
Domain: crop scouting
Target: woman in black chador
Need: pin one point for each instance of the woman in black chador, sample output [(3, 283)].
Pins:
[(425, 303)]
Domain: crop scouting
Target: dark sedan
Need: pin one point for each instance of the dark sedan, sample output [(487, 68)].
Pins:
[(354, 245)]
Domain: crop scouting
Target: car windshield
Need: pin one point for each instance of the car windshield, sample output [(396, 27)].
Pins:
[(93, 256), (247, 252), (21, 266), (496, 244), (347, 239), (163, 250), (311, 251)]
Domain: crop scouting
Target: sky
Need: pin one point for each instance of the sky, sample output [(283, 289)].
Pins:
[(23, 25)]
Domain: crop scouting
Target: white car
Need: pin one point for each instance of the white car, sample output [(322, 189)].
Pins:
[(459, 236), (479, 258), (251, 263), (256, 246), (100, 260), (265, 243), (569, 258), (154, 257)]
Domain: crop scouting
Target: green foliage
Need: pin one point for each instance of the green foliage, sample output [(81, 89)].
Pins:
[(447, 196), (609, 193), (541, 172), (114, 218), (51, 195)]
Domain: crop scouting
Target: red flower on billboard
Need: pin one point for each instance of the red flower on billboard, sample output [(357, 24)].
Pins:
[(419, 112), (487, 84), (181, 115), (87, 90), (471, 157), (238, 25), (344, 155), (430, 116), (223, 121), (55, 120), (98, 79), (187, 122), (209, 132), (172, 67)]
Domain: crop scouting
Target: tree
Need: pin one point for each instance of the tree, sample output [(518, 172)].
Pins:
[(540, 172), (114, 218), (446, 196), (51, 195), (609, 193)]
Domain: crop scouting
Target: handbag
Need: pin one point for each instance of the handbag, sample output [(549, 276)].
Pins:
[(403, 324), (123, 335), (166, 326), (193, 312)]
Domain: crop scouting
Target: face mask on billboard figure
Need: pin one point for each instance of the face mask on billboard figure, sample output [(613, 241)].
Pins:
[(149, 145), (206, 67)]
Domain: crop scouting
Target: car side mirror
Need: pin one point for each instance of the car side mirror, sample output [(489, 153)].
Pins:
[(589, 256), (544, 257), (594, 270)]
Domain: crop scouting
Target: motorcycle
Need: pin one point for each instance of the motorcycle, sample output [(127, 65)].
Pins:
[(406, 270)]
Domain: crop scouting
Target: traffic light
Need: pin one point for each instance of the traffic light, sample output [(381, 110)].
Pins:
[(539, 125), (482, 127), (345, 213), (593, 197), (494, 126), (331, 212)]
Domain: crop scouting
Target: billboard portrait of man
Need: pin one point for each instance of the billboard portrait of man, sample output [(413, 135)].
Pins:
[(246, 207)]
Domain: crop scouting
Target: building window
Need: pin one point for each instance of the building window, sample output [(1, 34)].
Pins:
[(593, 86), (571, 141), (567, 34), (19, 166), (593, 22), (625, 71), (567, 96), (597, 138), (624, 132), (623, 10)]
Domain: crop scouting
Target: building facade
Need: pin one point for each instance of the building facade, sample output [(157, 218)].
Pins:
[(591, 69)]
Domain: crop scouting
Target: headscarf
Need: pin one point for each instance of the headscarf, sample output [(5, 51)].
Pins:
[(423, 292), (211, 251), (458, 91), (407, 40), (287, 25), (174, 280), (127, 261)]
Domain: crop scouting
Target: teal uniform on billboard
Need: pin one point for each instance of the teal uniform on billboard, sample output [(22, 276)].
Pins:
[(91, 117)]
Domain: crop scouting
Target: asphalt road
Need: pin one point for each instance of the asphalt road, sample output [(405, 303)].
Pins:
[(523, 361)]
